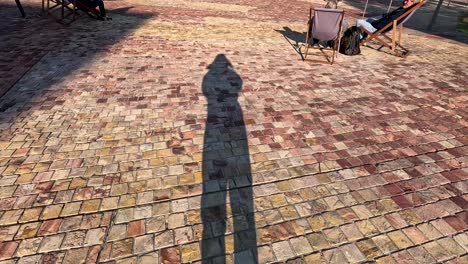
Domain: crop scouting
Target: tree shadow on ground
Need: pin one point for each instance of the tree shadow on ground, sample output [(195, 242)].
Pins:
[(36, 53), (226, 170)]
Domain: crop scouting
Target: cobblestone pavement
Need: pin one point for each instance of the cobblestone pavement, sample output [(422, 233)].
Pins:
[(185, 130)]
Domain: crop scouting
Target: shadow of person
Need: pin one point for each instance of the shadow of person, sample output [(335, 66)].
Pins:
[(226, 171)]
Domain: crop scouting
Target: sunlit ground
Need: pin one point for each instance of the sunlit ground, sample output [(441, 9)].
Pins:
[(191, 131)]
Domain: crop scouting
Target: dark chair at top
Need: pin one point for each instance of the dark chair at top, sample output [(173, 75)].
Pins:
[(324, 25)]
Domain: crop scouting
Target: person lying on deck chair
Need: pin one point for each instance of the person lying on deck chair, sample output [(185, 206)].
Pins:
[(373, 24), (89, 6)]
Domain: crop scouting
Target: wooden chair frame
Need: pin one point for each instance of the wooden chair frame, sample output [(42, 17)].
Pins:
[(20, 8), (64, 5), (337, 41), (396, 29)]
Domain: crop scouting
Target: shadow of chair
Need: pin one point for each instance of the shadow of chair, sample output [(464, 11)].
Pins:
[(295, 38)]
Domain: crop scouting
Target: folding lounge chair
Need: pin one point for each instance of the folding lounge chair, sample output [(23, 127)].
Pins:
[(395, 27), (20, 8), (68, 9), (324, 26)]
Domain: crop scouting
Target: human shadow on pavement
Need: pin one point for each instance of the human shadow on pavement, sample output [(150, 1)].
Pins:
[(226, 170)]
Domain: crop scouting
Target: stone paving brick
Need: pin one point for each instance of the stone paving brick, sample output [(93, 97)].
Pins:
[(28, 246), (415, 235), (282, 250), (334, 236), (429, 230), (382, 224), (385, 244), (30, 215), (49, 227), (143, 244), (95, 236), (73, 239), (352, 253), (71, 209), (317, 222), (315, 258), (136, 228), (176, 220), (52, 257), (170, 255), (436, 250), (91, 221), (368, 248), (366, 228), (421, 255), (51, 211), (318, 241), (450, 245), (335, 256), (301, 245), (10, 217), (122, 248), (30, 259), (164, 239), (403, 257), (27, 230), (149, 258), (73, 255), (51, 243), (265, 254), (351, 232), (8, 232), (8, 249), (400, 239)]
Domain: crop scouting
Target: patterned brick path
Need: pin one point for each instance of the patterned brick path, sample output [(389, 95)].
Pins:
[(135, 141)]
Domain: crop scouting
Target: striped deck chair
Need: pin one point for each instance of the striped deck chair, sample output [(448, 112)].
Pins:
[(395, 28), (325, 25)]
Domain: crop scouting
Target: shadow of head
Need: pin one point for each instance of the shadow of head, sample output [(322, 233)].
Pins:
[(221, 81), (220, 62)]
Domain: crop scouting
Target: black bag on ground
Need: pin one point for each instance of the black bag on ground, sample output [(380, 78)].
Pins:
[(350, 41)]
